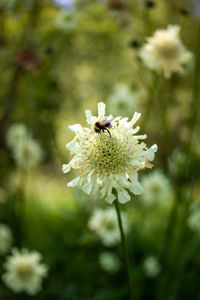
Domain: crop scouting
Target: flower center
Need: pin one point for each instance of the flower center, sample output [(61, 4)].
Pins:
[(25, 271), (168, 49), (108, 154)]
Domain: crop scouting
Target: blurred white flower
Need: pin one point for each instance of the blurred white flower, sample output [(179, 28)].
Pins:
[(26, 151), (24, 272), (106, 162), (6, 239), (151, 266), (122, 102), (165, 53), (194, 220), (105, 225), (157, 188), (28, 154), (177, 162), (109, 262), (16, 134)]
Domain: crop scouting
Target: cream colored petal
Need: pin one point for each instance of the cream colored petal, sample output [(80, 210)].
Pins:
[(110, 199), (74, 182), (77, 128), (135, 118), (73, 146), (101, 110), (66, 168), (150, 153), (136, 188), (123, 196)]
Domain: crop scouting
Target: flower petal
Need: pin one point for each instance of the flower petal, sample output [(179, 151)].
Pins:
[(150, 153), (123, 196), (101, 110), (109, 199), (135, 118), (77, 128), (74, 182), (66, 168)]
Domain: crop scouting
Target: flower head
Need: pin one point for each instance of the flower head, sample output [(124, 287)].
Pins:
[(109, 261), (28, 154), (24, 272), (157, 188), (5, 238), (26, 151), (151, 266), (122, 101), (165, 53), (104, 223), (15, 134), (107, 162)]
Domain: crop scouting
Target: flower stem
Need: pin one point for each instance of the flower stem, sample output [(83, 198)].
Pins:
[(124, 248)]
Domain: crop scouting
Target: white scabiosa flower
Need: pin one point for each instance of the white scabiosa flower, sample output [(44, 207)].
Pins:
[(6, 239), (165, 53), (109, 262), (104, 223), (151, 266), (16, 134), (106, 162), (122, 102), (28, 153), (157, 188), (24, 272)]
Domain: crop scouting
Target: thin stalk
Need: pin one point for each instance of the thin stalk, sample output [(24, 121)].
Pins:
[(152, 95), (124, 248)]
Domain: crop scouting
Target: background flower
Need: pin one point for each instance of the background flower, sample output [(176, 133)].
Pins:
[(165, 53), (105, 224), (24, 272), (109, 262)]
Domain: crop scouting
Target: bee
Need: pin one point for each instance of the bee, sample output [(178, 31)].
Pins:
[(102, 126)]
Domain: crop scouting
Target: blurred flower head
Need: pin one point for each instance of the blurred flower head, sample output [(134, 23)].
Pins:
[(151, 266), (26, 151), (157, 188), (105, 225), (65, 4), (6, 239), (109, 262), (122, 102), (28, 154), (109, 161), (165, 53), (16, 133), (24, 272)]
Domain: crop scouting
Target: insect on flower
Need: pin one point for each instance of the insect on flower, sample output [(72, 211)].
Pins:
[(102, 126)]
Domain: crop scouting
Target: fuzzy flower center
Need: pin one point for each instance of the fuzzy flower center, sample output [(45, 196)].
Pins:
[(25, 271), (108, 154), (167, 48)]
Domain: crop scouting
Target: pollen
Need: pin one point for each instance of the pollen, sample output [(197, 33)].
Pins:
[(108, 155)]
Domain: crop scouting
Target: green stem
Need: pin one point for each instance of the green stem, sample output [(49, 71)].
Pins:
[(124, 248)]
